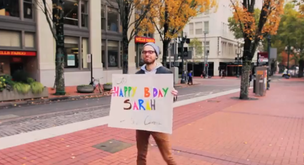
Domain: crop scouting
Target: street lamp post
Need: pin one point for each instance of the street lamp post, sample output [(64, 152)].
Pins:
[(288, 49), (238, 52), (205, 56), (182, 40)]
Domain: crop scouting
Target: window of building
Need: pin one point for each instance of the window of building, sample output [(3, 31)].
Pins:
[(29, 39), (206, 26), (71, 52), (112, 19), (84, 14), (85, 51), (207, 46), (103, 17), (191, 29), (198, 28), (9, 8), (28, 9), (113, 49), (103, 53), (70, 8), (10, 38)]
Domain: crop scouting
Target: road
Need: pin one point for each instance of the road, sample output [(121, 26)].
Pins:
[(35, 117)]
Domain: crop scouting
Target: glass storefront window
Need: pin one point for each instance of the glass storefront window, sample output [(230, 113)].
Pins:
[(29, 39), (10, 38), (84, 14), (112, 19), (85, 51), (28, 9), (113, 49), (71, 52), (9, 8), (103, 53), (70, 8), (103, 17)]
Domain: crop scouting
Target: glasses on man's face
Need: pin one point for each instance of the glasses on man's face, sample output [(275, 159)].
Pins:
[(148, 52)]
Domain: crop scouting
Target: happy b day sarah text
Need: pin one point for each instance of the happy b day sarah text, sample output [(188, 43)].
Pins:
[(149, 95)]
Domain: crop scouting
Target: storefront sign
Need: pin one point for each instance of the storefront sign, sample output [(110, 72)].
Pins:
[(71, 60), (16, 53), (89, 58), (144, 40)]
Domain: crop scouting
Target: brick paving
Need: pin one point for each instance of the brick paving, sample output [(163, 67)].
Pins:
[(221, 131)]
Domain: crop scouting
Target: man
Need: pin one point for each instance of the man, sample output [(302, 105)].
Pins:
[(190, 78), (150, 54)]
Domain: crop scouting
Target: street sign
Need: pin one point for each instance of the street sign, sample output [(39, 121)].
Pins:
[(89, 58)]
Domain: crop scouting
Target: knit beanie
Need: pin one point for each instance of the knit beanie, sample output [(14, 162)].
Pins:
[(154, 46)]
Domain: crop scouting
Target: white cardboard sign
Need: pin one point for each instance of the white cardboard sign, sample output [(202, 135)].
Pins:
[(142, 102)]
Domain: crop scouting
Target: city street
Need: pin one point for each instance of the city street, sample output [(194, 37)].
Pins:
[(35, 117), (217, 129)]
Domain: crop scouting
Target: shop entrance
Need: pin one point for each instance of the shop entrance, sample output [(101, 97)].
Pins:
[(16, 66)]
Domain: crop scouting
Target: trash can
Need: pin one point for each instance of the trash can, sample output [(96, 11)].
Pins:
[(260, 81)]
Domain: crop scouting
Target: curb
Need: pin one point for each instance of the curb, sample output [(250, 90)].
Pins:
[(6, 105)]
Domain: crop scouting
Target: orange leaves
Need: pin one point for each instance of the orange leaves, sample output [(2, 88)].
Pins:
[(174, 14), (251, 25)]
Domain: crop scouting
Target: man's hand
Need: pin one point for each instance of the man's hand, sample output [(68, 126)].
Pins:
[(174, 92)]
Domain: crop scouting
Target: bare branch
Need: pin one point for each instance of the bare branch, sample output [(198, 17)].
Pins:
[(158, 30), (48, 16), (240, 23)]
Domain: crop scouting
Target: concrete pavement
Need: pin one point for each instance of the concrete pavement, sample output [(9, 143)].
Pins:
[(217, 131), (36, 117)]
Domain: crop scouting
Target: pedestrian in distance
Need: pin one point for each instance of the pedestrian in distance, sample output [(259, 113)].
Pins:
[(190, 78), (149, 55)]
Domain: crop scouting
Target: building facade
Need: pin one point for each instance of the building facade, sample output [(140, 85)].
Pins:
[(220, 41), (27, 43)]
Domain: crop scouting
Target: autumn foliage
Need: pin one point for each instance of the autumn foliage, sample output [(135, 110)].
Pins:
[(168, 18), (270, 14)]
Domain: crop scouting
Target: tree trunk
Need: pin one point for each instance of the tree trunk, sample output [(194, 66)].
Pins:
[(301, 66), (59, 60), (125, 48), (245, 80), (165, 52), (60, 85)]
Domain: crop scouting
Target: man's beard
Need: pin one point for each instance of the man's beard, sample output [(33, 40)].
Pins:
[(149, 63)]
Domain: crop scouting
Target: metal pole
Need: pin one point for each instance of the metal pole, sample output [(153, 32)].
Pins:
[(182, 55), (238, 63), (92, 68), (269, 63), (169, 52), (288, 58), (205, 55)]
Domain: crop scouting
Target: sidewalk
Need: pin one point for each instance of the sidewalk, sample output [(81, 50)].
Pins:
[(220, 131)]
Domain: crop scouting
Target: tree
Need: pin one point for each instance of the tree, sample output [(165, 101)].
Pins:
[(253, 32), (198, 48), (290, 33), (55, 19), (235, 27), (130, 25), (169, 17)]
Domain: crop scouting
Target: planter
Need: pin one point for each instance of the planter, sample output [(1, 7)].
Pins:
[(85, 89), (107, 87), (6, 95)]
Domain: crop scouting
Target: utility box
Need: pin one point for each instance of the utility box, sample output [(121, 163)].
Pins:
[(261, 81)]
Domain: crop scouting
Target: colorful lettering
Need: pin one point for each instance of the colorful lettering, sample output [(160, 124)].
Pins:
[(128, 103), (135, 107), (160, 94), (115, 91), (147, 93), (121, 93), (165, 91), (133, 91), (140, 103)]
